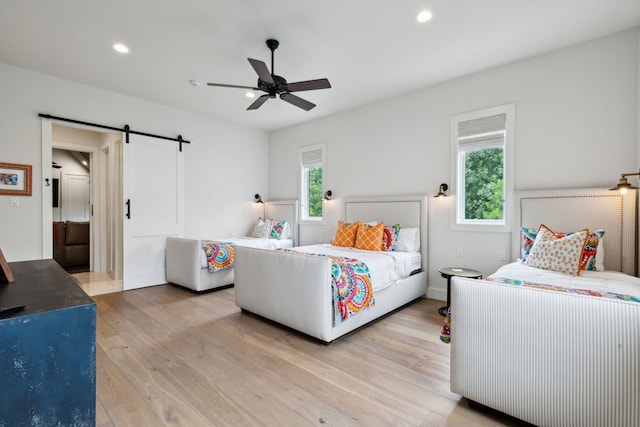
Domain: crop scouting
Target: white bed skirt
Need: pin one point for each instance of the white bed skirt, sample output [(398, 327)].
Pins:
[(548, 358)]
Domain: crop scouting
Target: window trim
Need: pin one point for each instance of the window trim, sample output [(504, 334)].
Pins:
[(456, 172), (303, 201)]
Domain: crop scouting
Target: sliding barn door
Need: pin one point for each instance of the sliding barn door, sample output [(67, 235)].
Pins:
[(153, 199)]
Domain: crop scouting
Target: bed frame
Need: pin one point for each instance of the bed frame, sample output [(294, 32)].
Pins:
[(549, 358), (183, 255), (295, 290)]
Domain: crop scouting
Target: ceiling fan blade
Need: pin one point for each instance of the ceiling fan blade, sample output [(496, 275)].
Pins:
[(258, 102), (297, 101), (308, 85), (232, 86), (262, 70)]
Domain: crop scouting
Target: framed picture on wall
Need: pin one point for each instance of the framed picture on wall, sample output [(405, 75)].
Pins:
[(15, 179)]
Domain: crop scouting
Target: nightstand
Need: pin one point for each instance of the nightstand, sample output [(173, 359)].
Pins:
[(448, 273)]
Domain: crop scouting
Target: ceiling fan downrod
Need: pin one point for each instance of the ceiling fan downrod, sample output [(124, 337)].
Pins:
[(272, 44)]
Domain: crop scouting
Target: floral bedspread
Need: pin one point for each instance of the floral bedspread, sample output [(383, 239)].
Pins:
[(445, 332), (351, 284), (219, 255)]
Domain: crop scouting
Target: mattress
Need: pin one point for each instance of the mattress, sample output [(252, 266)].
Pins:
[(385, 268), (603, 281), (250, 242)]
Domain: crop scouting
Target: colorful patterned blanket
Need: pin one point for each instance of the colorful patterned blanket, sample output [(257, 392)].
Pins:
[(219, 255), (351, 284), (445, 332)]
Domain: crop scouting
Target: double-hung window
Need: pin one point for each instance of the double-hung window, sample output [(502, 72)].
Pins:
[(482, 149), (311, 182)]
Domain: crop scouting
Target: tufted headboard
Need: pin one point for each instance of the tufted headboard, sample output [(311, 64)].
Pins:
[(575, 209)]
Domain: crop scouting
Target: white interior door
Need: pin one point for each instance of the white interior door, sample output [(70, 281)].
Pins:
[(75, 197), (153, 200)]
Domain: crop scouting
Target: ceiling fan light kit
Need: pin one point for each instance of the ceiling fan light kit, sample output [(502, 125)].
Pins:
[(277, 86)]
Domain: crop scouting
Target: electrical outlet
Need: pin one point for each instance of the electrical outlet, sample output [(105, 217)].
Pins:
[(459, 252), (14, 201), (502, 256)]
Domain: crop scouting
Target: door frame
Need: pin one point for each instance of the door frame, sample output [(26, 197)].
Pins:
[(97, 173)]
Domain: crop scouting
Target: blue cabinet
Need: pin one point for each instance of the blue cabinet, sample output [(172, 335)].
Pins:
[(47, 350)]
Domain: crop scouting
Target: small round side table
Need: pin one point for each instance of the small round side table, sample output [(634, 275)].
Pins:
[(448, 273)]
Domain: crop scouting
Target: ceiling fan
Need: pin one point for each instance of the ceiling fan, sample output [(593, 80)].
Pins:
[(275, 85)]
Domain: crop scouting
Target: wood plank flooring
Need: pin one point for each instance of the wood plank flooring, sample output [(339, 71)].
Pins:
[(166, 356)]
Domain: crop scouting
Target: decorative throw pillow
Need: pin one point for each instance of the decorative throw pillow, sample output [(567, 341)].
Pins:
[(278, 230), (345, 234), (390, 237), (528, 236), (262, 229), (370, 237), (592, 258), (591, 255), (408, 240), (562, 254)]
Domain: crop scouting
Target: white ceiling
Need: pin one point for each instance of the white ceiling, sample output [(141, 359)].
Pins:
[(369, 50)]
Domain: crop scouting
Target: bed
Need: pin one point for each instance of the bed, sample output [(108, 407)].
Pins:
[(186, 261), (543, 351), (295, 289)]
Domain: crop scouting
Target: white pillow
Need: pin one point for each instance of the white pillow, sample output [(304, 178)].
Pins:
[(262, 229), (600, 255), (408, 240)]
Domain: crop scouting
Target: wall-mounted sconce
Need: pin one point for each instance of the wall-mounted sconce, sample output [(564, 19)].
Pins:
[(441, 191), (258, 198), (623, 184), (327, 195)]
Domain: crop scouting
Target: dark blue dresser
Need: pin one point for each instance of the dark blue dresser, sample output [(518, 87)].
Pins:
[(47, 350)]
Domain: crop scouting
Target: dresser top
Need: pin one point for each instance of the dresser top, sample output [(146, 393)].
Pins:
[(41, 286)]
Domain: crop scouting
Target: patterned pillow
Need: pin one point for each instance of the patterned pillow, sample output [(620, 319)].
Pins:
[(562, 254), (278, 229), (370, 237), (593, 251), (528, 236), (345, 234), (262, 229), (390, 237)]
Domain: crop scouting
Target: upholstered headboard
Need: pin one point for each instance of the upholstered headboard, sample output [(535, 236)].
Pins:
[(575, 209), (408, 211), (286, 210)]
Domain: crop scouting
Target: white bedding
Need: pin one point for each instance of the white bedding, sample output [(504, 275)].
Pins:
[(604, 281), (250, 242), (385, 268)]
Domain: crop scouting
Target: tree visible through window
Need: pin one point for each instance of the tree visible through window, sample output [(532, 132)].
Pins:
[(311, 182), (484, 184), (482, 142), (315, 191)]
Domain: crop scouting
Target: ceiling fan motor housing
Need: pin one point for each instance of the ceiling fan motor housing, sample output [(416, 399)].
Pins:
[(273, 89)]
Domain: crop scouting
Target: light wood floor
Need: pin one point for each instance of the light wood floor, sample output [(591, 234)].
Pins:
[(166, 356)]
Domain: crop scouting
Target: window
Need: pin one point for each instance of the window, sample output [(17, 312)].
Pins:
[(482, 149), (311, 182)]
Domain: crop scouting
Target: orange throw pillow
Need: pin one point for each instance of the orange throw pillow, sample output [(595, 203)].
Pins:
[(345, 234), (370, 237)]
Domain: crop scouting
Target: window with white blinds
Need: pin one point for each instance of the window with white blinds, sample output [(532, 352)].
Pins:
[(482, 155), (312, 168)]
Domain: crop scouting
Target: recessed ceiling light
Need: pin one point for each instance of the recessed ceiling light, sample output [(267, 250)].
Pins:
[(119, 47), (250, 95), (424, 16)]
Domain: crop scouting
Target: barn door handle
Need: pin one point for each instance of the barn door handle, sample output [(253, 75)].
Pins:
[(128, 208)]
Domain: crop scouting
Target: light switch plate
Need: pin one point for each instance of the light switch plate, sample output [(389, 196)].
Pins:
[(14, 201)]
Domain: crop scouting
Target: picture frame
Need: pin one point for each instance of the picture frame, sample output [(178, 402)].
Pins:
[(6, 276), (15, 179)]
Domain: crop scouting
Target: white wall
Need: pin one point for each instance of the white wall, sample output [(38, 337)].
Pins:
[(576, 126), (224, 164)]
